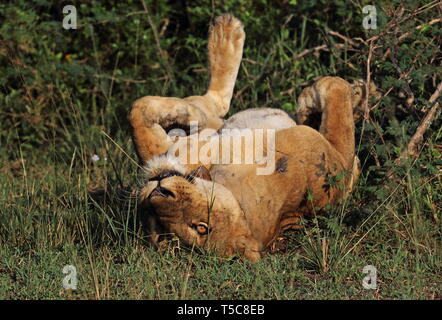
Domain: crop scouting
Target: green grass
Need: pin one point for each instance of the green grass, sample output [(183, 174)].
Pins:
[(58, 207), (49, 218)]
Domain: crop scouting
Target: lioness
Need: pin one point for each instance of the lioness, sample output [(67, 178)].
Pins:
[(228, 207)]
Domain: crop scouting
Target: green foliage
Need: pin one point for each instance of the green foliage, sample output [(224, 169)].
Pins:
[(61, 89)]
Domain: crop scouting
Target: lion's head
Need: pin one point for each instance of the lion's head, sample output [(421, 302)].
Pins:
[(194, 208)]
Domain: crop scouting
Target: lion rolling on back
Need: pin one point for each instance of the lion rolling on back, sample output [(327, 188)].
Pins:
[(228, 207), (248, 211)]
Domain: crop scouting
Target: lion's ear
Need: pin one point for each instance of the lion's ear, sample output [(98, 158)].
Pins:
[(245, 246), (201, 172), (253, 256), (251, 251)]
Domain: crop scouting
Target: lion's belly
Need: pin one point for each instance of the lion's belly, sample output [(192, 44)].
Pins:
[(259, 118), (261, 197)]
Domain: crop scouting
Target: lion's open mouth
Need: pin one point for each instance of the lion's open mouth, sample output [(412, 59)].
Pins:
[(161, 192), (171, 173)]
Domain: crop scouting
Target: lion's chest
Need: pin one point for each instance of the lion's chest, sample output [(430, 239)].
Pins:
[(260, 197)]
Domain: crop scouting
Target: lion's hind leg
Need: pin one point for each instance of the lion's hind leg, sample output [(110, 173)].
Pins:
[(337, 123), (309, 102), (333, 96), (308, 105), (291, 222)]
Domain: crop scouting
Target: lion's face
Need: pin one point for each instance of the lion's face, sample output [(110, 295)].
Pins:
[(199, 212), (179, 207)]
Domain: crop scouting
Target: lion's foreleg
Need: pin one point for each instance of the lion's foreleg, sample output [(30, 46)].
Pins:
[(151, 119), (225, 45)]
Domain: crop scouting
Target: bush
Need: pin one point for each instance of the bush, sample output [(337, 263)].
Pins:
[(61, 89)]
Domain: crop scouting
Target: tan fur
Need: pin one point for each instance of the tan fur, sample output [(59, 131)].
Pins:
[(246, 211), (256, 118), (150, 116), (307, 101)]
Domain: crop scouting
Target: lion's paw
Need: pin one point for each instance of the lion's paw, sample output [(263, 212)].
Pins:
[(360, 93), (312, 99), (227, 36), (307, 105)]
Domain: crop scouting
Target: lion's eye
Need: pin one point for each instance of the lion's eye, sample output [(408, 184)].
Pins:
[(201, 228)]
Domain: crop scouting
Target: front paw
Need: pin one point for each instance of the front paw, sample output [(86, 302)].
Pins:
[(227, 36)]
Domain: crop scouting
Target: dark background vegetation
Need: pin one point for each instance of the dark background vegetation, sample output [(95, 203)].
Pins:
[(65, 95)]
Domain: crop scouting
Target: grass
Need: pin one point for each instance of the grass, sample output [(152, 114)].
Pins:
[(58, 207), (55, 213)]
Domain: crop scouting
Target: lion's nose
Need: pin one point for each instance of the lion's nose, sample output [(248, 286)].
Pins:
[(159, 191)]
